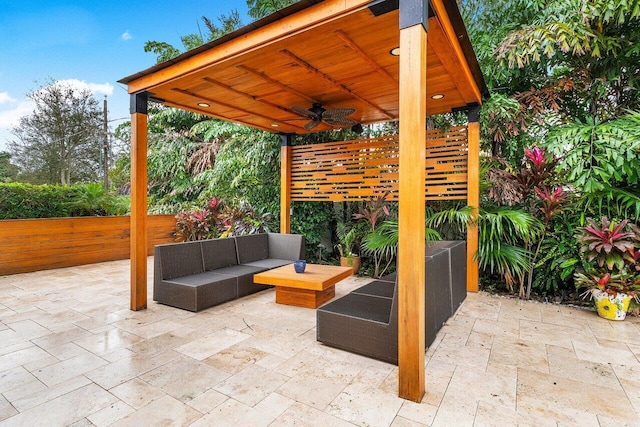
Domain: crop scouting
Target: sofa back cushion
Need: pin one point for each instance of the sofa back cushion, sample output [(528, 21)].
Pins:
[(253, 247), (219, 253), (286, 246), (180, 259)]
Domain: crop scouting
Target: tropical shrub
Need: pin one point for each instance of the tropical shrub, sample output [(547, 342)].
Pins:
[(23, 201), (611, 254), (218, 219)]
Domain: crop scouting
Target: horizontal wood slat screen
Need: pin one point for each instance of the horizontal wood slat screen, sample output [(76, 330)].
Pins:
[(360, 169), (44, 244)]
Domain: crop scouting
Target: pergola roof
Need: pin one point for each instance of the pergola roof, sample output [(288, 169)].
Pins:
[(336, 52)]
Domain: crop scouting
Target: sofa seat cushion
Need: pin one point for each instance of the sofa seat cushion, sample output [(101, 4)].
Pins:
[(199, 279), (359, 306), (377, 288), (269, 263), (196, 292), (240, 270)]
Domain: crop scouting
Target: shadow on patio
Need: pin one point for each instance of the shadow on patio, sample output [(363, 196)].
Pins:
[(72, 353)]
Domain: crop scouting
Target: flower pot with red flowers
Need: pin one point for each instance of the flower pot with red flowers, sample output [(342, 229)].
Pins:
[(611, 253)]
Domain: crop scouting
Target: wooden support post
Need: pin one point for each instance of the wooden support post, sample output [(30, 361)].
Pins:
[(473, 197), (411, 198), (138, 235), (285, 184)]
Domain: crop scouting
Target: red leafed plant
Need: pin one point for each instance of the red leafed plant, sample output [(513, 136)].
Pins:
[(615, 248), (607, 243)]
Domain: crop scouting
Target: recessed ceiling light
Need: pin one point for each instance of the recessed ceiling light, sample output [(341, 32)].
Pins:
[(203, 104), (437, 96), (275, 125), (395, 51)]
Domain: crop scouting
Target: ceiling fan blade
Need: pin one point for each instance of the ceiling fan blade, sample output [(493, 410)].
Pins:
[(312, 124), (339, 121), (303, 111), (338, 112)]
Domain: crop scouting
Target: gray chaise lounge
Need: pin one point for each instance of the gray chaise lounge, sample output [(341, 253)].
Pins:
[(365, 321), (197, 275)]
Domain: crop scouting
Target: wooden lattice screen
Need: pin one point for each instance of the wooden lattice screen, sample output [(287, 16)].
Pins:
[(360, 169)]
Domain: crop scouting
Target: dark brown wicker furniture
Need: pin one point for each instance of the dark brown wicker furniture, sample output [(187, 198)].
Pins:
[(197, 275), (365, 321)]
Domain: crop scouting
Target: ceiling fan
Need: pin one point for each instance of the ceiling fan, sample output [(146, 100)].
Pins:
[(332, 117)]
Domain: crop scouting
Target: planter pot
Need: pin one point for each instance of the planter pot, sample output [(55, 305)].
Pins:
[(612, 307), (353, 262)]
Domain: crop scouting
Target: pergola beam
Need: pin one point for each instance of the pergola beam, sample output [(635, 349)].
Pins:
[(138, 234), (275, 82), (248, 95), (473, 197), (411, 200), (304, 64)]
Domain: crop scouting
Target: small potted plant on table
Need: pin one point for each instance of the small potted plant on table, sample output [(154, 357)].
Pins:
[(611, 253)]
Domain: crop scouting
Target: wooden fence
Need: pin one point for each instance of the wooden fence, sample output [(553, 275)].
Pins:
[(42, 244), (356, 170)]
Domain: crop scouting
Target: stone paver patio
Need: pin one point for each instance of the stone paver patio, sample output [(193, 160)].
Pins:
[(72, 353)]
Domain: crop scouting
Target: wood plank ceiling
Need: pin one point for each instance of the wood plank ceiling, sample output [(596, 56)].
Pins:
[(340, 62)]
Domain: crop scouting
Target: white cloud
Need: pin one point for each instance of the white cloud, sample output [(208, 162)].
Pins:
[(5, 98), (126, 36), (95, 88), (10, 118)]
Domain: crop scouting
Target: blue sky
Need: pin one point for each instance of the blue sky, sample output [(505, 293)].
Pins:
[(92, 43)]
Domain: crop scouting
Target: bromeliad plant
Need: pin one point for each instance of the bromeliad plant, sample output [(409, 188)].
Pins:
[(611, 253)]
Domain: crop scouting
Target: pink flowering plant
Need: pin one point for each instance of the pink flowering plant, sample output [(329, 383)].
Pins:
[(611, 255)]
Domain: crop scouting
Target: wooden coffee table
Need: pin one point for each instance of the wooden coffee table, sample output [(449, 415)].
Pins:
[(310, 289)]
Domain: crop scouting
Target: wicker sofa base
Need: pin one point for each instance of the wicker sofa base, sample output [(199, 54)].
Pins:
[(365, 321), (197, 275)]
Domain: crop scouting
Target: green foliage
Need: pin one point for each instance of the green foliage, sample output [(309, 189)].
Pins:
[(555, 268), (502, 233), (311, 219), (382, 244), (261, 8), (93, 200), (247, 165), (8, 171), (597, 155), (23, 201)]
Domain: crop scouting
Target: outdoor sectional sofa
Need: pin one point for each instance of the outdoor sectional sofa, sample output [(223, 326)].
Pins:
[(200, 274), (365, 321)]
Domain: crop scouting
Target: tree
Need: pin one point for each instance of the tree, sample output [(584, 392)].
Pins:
[(60, 141), (8, 171), (228, 23)]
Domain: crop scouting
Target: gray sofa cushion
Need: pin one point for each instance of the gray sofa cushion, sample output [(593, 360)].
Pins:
[(219, 253), (199, 279), (378, 288), (286, 246), (181, 259), (269, 263), (253, 247)]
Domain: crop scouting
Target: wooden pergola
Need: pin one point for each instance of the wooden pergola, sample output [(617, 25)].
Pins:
[(391, 60)]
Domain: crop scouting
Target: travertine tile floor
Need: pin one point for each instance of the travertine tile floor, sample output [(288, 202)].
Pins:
[(72, 353)]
